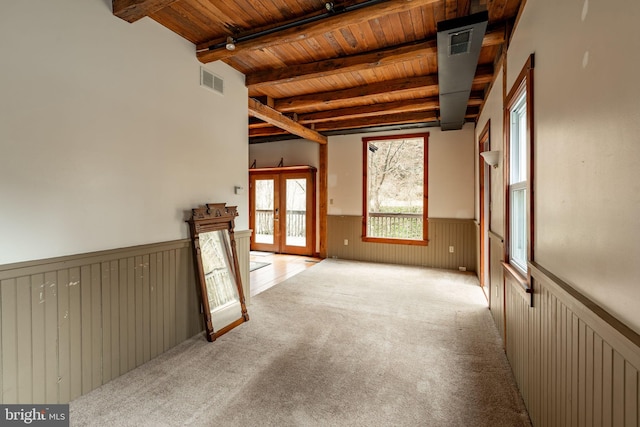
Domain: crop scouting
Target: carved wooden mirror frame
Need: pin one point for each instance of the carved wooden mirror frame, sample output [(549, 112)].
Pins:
[(217, 269)]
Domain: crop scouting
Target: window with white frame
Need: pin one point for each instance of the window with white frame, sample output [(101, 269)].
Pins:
[(519, 183)]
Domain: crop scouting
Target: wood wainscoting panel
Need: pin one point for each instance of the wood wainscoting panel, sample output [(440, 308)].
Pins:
[(478, 238), (71, 324), (443, 233), (496, 278), (574, 363), (243, 247)]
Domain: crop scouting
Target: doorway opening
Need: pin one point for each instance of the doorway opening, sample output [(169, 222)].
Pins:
[(282, 205), (485, 213)]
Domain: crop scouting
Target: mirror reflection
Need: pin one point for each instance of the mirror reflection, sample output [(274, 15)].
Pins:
[(215, 253), (217, 268)]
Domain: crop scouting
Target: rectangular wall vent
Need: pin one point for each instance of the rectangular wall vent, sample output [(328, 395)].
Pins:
[(211, 81), (460, 42)]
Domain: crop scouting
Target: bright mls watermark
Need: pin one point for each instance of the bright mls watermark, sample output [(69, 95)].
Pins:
[(34, 415)]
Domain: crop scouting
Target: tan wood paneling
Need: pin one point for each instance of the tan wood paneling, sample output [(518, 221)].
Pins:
[(137, 308), (10, 357), (24, 337), (496, 251), (106, 321), (64, 337), (243, 240), (38, 370), (461, 234), (75, 341), (574, 363), (153, 305), (71, 324)]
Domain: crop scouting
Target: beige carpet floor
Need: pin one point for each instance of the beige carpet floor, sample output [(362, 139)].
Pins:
[(341, 344)]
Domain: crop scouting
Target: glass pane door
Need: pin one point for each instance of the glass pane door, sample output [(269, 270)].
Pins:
[(282, 210), (264, 230), (296, 212)]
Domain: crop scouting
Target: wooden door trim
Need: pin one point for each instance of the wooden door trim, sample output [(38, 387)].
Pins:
[(280, 175), (310, 220), (484, 143), (282, 169), (252, 217)]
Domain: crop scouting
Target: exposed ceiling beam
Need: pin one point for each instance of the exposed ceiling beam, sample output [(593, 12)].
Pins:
[(356, 63), (407, 106), (310, 30), (451, 9), (362, 94), (268, 114), (132, 10), (472, 112), (347, 64), (457, 8), (350, 131), (375, 110), (414, 117)]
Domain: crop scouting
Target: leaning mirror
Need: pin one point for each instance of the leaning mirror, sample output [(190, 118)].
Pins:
[(216, 263)]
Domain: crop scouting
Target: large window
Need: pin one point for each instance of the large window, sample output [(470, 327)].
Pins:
[(519, 183), (395, 189)]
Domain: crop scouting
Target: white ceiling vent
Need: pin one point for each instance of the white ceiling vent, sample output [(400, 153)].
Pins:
[(211, 81)]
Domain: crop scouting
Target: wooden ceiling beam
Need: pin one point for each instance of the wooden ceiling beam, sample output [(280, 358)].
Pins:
[(397, 107), (363, 94), (388, 119), (451, 9), (376, 110), (132, 10), (349, 64), (310, 30), (357, 63), (267, 131), (268, 114), (472, 112)]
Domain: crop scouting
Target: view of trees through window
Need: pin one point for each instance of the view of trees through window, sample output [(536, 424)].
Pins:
[(395, 175)]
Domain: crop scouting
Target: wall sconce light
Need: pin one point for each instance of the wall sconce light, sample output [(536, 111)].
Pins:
[(231, 43), (491, 158), (238, 189)]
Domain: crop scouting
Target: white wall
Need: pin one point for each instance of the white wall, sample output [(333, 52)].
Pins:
[(106, 137), (295, 152), (493, 110), (587, 122), (451, 169)]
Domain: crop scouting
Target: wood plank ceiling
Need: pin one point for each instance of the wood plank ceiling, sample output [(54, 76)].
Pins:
[(315, 68)]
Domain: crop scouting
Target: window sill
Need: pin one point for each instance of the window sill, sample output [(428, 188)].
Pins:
[(522, 285), (396, 241)]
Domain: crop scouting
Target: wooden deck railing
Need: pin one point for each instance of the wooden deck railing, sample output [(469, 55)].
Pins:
[(391, 225), (394, 225), (296, 223)]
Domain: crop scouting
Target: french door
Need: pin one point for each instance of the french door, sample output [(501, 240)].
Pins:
[(282, 210)]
